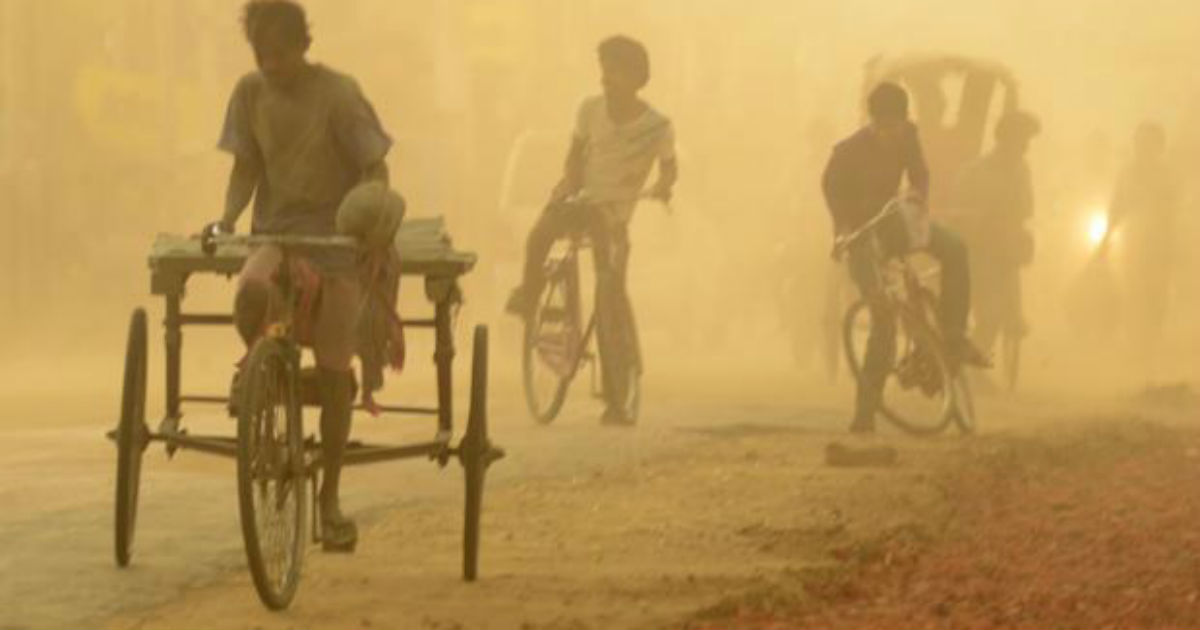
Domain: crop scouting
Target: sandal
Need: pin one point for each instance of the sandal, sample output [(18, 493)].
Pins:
[(338, 535)]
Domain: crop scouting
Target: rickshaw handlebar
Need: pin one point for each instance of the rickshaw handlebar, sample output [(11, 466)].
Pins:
[(209, 241)]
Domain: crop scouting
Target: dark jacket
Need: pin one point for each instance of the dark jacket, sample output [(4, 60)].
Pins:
[(863, 175)]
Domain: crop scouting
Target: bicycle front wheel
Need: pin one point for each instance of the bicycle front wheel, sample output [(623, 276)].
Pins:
[(916, 394), (553, 343), (271, 475)]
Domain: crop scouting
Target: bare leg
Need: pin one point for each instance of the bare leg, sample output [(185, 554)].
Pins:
[(553, 223), (337, 401), (334, 344), (255, 305), (257, 299)]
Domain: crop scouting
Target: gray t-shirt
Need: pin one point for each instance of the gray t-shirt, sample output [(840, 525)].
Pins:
[(314, 142)]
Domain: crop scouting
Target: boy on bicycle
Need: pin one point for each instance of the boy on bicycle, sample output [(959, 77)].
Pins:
[(863, 174), (618, 138), (302, 136)]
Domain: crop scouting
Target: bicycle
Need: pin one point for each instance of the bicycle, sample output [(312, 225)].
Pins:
[(272, 464), (932, 388), (558, 341)]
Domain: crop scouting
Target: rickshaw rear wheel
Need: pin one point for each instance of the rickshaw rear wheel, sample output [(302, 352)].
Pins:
[(476, 453), (271, 471), (132, 436)]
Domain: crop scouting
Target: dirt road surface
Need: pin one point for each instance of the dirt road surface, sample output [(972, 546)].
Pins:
[(717, 510)]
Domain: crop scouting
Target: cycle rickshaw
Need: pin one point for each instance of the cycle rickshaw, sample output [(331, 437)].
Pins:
[(276, 462)]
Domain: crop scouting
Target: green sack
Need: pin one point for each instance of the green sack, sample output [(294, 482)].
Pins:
[(371, 212)]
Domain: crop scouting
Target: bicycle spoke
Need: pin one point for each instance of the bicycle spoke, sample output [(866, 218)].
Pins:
[(552, 349), (916, 396), (275, 496)]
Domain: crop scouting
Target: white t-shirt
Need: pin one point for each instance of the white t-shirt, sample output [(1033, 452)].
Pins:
[(619, 157)]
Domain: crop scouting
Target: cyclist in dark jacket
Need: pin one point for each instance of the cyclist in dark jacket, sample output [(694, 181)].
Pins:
[(863, 174)]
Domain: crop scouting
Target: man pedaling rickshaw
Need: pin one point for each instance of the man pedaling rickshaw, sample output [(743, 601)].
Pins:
[(309, 149)]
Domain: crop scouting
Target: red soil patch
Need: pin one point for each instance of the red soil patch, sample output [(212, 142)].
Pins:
[(1099, 531)]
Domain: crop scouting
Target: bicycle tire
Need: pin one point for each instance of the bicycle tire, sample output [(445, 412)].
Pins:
[(964, 404), (1012, 360), (274, 468), (935, 420), (545, 408)]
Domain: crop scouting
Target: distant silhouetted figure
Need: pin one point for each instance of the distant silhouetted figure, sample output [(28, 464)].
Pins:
[(1144, 210), (994, 200)]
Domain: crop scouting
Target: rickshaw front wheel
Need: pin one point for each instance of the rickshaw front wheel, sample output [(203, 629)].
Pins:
[(132, 436)]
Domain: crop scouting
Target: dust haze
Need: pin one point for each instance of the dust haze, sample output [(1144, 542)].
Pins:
[(111, 110)]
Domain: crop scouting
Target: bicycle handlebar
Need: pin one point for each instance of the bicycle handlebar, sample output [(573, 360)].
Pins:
[(843, 243), (646, 195)]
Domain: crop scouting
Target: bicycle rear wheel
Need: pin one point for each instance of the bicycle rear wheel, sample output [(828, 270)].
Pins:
[(271, 475), (1011, 345), (553, 342), (916, 393), (624, 361), (964, 403)]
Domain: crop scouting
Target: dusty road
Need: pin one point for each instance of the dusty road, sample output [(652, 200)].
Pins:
[(57, 488), (718, 508)]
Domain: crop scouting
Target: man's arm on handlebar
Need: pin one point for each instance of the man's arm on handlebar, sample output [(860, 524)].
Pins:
[(243, 181), (572, 180)]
